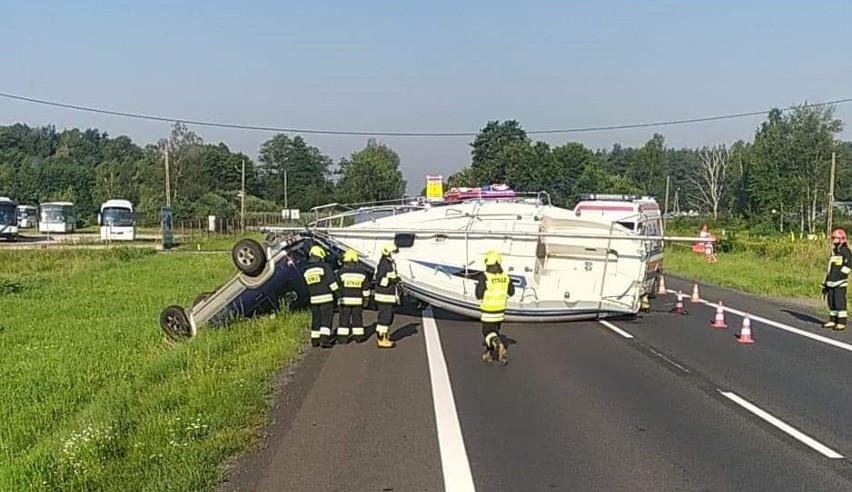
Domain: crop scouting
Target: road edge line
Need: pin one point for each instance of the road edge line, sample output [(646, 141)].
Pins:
[(454, 462), (615, 328)]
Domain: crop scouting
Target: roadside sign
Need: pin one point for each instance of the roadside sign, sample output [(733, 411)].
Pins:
[(434, 188)]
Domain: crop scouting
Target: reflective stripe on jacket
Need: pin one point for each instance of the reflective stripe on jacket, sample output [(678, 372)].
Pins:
[(321, 282)]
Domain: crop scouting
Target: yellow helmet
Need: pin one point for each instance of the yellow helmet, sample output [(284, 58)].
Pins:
[(318, 251), (492, 258), (389, 248), (350, 255)]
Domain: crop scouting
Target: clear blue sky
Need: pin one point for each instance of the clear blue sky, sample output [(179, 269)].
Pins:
[(419, 66)]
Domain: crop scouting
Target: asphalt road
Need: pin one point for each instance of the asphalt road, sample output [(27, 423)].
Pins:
[(664, 402)]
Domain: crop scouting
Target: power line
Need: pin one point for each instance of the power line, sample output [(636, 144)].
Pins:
[(403, 134)]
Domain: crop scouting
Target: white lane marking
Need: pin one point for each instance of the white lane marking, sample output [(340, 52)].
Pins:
[(454, 463), (615, 328), (816, 445), (776, 324)]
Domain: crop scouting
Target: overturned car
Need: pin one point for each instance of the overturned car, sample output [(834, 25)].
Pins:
[(269, 279)]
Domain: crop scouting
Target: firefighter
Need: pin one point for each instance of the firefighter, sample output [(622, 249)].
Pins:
[(836, 281), (322, 287), (493, 288), (385, 294), (354, 295)]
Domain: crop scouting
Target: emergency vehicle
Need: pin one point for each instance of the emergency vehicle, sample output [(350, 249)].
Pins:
[(638, 214)]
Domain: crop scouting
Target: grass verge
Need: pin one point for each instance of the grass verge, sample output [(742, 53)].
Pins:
[(95, 400), (796, 274)]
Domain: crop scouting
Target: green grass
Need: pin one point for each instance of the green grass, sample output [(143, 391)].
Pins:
[(790, 270), (94, 399)]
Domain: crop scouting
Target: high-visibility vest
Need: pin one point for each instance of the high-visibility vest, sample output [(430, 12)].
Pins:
[(496, 295)]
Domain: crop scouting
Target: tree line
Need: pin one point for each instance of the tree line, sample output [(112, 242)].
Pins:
[(779, 180), (88, 167)]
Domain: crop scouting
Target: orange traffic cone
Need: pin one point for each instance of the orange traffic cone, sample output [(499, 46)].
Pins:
[(719, 322), (695, 298), (745, 331), (678, 309), (661, 289)]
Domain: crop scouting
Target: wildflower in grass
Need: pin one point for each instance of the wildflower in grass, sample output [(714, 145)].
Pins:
[(81, 451)]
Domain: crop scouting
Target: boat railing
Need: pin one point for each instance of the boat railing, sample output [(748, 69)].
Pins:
[(455, 233), (370, 213)]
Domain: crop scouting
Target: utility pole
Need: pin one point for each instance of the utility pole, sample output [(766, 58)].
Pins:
[(168, 190), (666, 206), (676, 201), (831, 193), (243, 201), (286, 207)]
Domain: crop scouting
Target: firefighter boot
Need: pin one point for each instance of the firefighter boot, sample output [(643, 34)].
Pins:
[(841, 324), (496, 348), (342, 336), (502, 353), (830, 323), (645, 304), (383, 340), (487, 357), (358, 335)]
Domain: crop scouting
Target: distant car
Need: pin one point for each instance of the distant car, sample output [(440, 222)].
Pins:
[(269, 278)]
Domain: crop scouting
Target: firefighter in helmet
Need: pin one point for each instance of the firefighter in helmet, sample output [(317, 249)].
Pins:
[(354, 294), (836, 281), (385, 294), (493, 288), (322, 287)]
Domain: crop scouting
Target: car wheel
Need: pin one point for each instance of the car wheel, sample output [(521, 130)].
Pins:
[(175, 324), (249, 257)]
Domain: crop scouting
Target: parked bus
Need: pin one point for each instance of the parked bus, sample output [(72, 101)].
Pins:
[(57, 217), (116, 221), (8, 219), (27, 216)]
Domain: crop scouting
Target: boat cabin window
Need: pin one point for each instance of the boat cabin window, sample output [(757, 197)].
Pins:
[(629, 225), (404, 240)]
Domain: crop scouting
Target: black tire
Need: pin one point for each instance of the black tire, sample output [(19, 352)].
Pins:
[(175, 324), (201, 298), (249, 257)]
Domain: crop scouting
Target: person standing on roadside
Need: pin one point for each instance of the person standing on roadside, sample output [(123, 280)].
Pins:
[(836, 281)]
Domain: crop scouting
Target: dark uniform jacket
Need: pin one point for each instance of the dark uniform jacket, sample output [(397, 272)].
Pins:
[(354, 285), (322, 284), (839, 266), (386, 282)]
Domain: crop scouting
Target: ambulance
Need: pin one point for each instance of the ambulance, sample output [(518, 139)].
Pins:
[(639, 214)]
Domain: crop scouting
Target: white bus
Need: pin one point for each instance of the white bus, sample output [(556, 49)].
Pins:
[(57, 217), (27, 216), (116, 221), (8, 219)]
